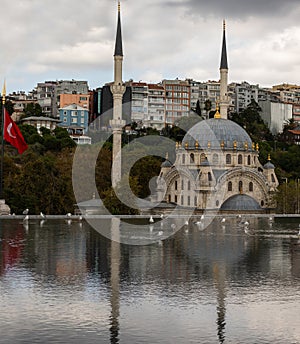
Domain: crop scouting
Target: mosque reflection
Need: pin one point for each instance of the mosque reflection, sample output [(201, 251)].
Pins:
[(186, 261)]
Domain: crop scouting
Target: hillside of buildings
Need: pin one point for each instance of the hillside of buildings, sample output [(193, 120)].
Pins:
[(56, 114), (41, 178)]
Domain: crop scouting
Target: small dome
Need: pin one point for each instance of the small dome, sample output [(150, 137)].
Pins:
[(269, 166), (166, 163), (216, 131), (240, 202)]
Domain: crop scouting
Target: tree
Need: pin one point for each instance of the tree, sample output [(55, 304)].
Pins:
[(207, 106), (32, 109)]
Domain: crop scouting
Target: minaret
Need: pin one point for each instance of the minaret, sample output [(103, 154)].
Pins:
[(224, 102), (117, 90)]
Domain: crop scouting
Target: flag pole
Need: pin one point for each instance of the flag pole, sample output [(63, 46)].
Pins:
[(2, 140)]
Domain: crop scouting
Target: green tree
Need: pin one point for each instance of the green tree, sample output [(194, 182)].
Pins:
[(32, 109)]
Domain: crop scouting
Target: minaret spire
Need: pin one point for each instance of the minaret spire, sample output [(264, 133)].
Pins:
[(224, 64), (118, 44), (224, 102)]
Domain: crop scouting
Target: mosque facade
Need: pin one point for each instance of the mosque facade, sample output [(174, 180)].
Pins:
[(217, 166)]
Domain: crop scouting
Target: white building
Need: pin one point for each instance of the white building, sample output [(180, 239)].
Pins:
[(275, 114)]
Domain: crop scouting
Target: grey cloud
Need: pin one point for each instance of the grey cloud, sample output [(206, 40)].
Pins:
[(236, 8)]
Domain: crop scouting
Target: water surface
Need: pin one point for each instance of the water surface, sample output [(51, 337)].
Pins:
[(64, 282)]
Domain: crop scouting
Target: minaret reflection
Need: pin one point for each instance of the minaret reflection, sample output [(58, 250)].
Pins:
[(115, 280), (219, 274)]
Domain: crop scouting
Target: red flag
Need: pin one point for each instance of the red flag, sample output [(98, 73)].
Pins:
[(12, 134)]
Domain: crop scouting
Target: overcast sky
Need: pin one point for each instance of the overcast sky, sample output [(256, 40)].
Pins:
[(67, 39)]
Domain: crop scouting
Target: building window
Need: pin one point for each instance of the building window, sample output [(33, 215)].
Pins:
[(209, 177), (189, 200), (272, 178), (195, 201), (181, 200), (215, 159), (229, 186), (192, 158), (250, 186), (183, 158), (169, 198), (175, 199), (189, 185), (249, 160), (228, 159), (217, 203), (240, 159), (240, 186), (175, 184), (202, 158), (182, 184)]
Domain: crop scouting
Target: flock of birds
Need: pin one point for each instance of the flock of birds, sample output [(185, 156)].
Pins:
[(242, 223)]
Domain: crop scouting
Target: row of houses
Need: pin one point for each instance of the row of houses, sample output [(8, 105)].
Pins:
[(156, 105)]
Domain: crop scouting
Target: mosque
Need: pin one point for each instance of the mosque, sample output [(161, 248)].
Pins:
[(217, 165)]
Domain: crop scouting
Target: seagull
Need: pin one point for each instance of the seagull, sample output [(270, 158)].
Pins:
[(26, 211), (151, 219), (161, 216), (223, 220), (160, 233), (246, 223), (42, 215), (186, 223), (69, 214), (26, 218), (80, 218), (271, 219)]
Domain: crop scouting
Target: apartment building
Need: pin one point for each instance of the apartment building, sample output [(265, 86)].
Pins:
[(177, 99), (155, 117), (48, 94)]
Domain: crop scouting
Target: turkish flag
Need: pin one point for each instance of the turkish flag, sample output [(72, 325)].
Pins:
[(12, 134)]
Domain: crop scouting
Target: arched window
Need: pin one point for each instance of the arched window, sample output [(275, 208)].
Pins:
[(249, 160), (192, 158), (189, 185), (182, 184), (209, 177), (181, 200), (250, 186), (240, 159), (272, 178), (215, 159), (228, 159), (195, 201), (217, 203), (262, 203), (229, 186), (202, 158), (183, 158), (176, 185), (189, 200), (169, 198), (175, 199), (240, 186)]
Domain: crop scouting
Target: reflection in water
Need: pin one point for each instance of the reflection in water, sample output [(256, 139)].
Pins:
[(115, 280), (67, 283), (219, 279)]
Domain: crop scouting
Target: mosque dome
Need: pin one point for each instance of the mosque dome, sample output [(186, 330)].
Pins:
[(269, 166), (215, 132), (166, 163), (240, 202)]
